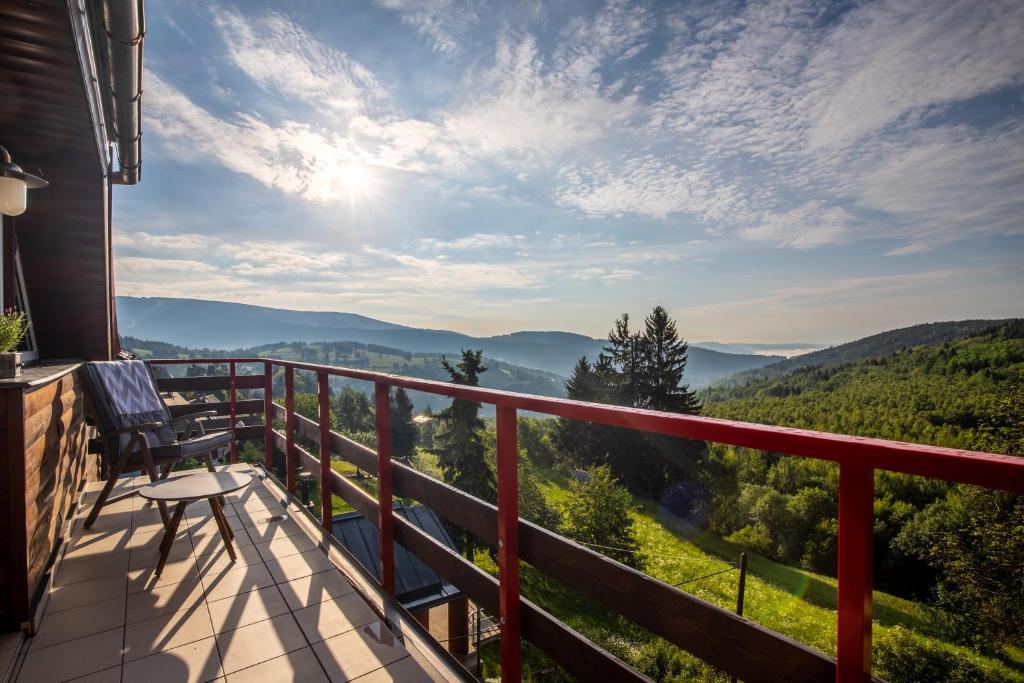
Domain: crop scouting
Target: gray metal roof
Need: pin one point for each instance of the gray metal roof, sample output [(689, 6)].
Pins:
[(417, 586)]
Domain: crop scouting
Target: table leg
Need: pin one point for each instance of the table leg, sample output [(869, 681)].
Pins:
[(225, 528), (169, 534)]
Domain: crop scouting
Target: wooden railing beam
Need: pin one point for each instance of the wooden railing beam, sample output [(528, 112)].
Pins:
[(382, 396)]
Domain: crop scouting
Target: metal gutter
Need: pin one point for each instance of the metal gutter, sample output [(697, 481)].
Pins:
[(119, 29)]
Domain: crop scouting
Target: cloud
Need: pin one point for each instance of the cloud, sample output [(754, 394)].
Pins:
[(888, 61), (441, 21), (810, 225), (650, 187), (848, 308), (528, 110), (475, 241), (284, 58)]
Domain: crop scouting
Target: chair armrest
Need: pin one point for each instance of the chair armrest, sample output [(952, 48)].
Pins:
[(134, 429), (194, 416)]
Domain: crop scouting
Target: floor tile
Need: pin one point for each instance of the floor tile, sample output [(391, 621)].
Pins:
[(89, 543), (259, 642), (300, 666), (149, 556), (332, 617), (74, 658), (311, 590), (86, 592), (152, 539), (406, 670), (165, 632), (192, 663), (207, 526), (353, 654), (165, 599), (174, 572), (235, 581), (247, 608), (205, 544), (296, 566), (59, 627), (85, 569), (112, 675), (270, 531), (283, 547), (219, 560)]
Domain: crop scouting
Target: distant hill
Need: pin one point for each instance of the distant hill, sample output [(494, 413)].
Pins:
[(880, 344), (194, 323), (499, 375)]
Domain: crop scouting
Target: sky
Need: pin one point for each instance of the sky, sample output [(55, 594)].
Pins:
[(768, 171)]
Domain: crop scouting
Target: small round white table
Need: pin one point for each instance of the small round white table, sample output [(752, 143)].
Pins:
[(210, 486)]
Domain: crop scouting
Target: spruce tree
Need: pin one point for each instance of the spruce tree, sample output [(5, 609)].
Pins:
[(663, 363), (403, 429), (458, 442)]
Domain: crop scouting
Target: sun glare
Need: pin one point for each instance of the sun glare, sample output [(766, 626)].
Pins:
[(356, 181)]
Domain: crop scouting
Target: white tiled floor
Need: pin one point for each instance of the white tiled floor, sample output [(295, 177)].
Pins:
[(282, 611)]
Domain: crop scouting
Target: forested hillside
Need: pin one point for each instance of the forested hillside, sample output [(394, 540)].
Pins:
[(952, 546), (927, 394), (871, 347)]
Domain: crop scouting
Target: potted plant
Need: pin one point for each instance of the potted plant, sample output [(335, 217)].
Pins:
[(13, 325)]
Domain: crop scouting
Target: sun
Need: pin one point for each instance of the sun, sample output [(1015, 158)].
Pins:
[(356, 181)]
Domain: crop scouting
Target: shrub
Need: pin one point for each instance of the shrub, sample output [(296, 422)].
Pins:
[(902, 656), (13, 325)]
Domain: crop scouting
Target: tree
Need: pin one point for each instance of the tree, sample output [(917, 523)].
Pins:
[(596, 513), (403, 429), (581, 441), (663, 362), (459, 444), (974, 539)]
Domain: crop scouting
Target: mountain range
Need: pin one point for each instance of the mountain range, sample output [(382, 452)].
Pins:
[(197, 323)]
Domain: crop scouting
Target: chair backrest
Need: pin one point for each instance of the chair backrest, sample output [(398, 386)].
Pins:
[(124, 394)]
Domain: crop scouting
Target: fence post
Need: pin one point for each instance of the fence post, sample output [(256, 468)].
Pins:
[(289, 428), (508, 544), (326, 509), (268, 416), (385, 520), (232, 393), (741, 591), (856, 532), (743, 585)]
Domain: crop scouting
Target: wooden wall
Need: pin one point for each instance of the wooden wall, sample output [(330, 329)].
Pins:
[(64, 236), (41, 468)]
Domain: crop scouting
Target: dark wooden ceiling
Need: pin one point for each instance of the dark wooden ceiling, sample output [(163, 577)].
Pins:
[(64, 235)]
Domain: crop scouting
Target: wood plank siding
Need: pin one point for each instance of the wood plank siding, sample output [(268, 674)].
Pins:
[(42, 466)]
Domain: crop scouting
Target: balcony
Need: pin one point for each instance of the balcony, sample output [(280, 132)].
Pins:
[(730, 643), (289, 608)]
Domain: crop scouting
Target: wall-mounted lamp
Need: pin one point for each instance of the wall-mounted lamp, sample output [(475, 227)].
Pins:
[(15, 184)]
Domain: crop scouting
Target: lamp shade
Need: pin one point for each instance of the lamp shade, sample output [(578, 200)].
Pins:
[(13, 196), (14, 185)]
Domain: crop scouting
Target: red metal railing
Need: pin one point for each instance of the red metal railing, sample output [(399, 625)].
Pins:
[(857, 458)]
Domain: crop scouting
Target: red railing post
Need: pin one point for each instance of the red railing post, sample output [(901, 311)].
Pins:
[(289, 427), (268, 416), (508, 543), (326, 509), (385, 521), (856, 540), (232, 397)]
